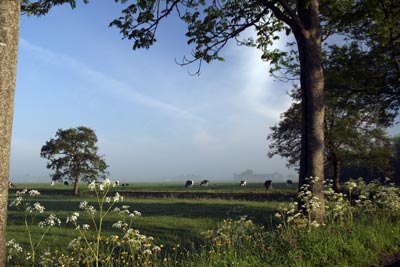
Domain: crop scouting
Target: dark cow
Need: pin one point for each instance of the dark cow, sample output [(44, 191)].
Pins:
[(289, 183), (243, 183), (268, 184), (11, 185), (189, 183), (204, 183), (66, 183), (124, 184)]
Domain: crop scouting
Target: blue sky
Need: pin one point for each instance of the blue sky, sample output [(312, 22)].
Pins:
[(152, 119)]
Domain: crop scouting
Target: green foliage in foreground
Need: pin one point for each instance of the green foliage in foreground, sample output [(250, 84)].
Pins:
[(360, 227)]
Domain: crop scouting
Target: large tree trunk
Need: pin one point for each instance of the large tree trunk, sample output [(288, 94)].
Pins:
[(9, 29), (308, 37)]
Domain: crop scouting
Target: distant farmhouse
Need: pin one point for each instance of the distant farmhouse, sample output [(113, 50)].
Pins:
[(253, 177)]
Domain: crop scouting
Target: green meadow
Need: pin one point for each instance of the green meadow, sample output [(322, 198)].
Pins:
[(219, 225), (169, 219)]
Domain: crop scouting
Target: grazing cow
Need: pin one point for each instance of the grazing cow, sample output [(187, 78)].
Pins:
[(52, 183), (124, 184), (116, 183), (289, 183), (189, 183), (204, 183), (268, 184), (11, 185), (243, 183), (66, 183)]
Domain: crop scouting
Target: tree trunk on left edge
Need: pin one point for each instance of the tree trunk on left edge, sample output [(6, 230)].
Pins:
[(308, 35), (9, 30)]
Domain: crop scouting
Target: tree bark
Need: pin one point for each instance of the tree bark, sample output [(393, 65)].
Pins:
[(9, 30), (308, 37), (76, 191)]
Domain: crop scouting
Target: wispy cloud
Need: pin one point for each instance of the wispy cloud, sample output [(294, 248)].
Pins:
[(115, 87), (259, 93)]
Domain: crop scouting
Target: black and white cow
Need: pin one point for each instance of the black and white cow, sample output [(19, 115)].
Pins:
[(289, 183), (268, 184), (204, 183), (243, 183), (116, 183), (11, 185), (52, 183), (189, 183)]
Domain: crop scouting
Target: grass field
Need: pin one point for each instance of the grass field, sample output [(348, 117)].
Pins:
[(169, 219), (355, 234)]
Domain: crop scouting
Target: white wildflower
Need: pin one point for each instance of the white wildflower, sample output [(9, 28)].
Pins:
[(52, 220), (120, 225), (73, 218), (92, 185), (38, 207), (90, 209), (85, 226), (117, 198), (33, 193), (107, 182), (83, 205), (23, 192), (315, 224), (16, 202)]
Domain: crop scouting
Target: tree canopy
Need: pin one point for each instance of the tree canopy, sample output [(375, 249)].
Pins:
[(73, 155), (355, 120)]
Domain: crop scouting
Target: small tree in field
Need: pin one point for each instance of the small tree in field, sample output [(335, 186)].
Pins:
[(72, 154)]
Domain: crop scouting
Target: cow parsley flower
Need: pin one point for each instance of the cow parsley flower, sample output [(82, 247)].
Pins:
[(23, 192), (16, 202), (73, 218), (38, 207), (120, 225), (156, 248), (106, 182), (101, 187), (117, 198), (50, 221), (83, 205), (90, 209), (33, 193), (92, 185)]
